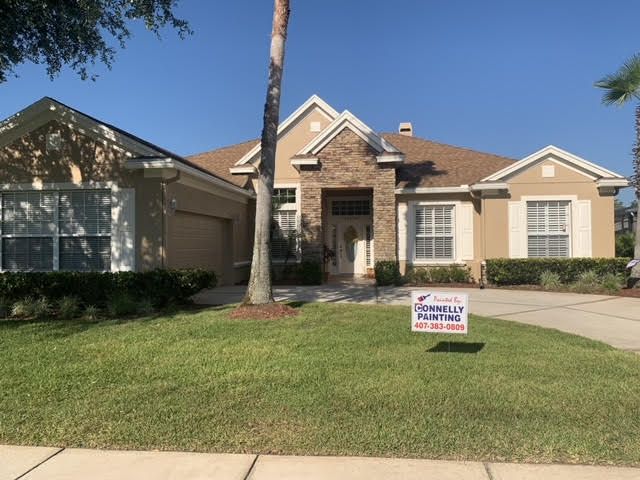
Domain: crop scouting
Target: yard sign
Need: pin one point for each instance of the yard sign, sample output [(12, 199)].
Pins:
[(439, 312)]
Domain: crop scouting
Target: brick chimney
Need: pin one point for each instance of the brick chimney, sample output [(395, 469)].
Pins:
[(405, 128)]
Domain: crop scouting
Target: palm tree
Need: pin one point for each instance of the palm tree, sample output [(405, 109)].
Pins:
[(259, 290), (621, 88)]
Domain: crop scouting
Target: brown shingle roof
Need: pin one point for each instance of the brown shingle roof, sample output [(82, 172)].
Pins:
[(427, 163), (432, 164), (221, 160)]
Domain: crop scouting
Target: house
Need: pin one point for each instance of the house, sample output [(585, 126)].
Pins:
[(624, 219), (78, 193)]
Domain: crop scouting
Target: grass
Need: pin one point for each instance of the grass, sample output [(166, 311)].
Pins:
[(338, 379)]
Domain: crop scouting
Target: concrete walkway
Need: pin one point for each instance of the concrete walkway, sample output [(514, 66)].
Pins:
[(38, 463), (613, 320)]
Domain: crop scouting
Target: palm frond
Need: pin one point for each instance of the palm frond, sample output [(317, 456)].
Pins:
[(623, 85)]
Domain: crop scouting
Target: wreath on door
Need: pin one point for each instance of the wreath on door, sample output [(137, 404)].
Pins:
[(351, 242)]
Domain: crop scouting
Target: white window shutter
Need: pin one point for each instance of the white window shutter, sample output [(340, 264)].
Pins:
[(403, 234), (517, 230), (464, 217), (582, 228), (123, 232)]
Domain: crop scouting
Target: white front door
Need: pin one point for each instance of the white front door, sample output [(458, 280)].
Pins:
[(351, 248)]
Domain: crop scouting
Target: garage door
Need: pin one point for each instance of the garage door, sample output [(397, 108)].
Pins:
[(199, 241)]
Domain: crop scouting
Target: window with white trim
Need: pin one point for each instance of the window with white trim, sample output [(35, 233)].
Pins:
[(434, 232), (56, 230), (548, 225), (284, 237)]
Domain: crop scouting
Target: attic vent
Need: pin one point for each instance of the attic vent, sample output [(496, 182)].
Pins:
[(314, 126), (406, 128)]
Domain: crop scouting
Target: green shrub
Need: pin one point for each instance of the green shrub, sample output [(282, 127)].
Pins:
[(418, 276), (145, 307), (5, 307), (68, 307), (387, 273), (444, 274), (550, 280), (95, 288), (91, 313), (310, 273), (41, 308), (121, 305), (527, 271), (612, 283), (23, 308), (625, 245), (587, 282)]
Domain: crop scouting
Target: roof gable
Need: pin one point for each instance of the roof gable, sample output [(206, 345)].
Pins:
[(551, 152), (313, 103), (347, 120), (47, 109), (142, 154)]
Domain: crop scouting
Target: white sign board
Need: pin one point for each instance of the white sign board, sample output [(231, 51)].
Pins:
[(439, 312)]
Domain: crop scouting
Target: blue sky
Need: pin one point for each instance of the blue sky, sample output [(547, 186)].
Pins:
[(507, 77)]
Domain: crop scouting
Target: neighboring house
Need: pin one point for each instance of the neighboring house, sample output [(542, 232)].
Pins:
[(625, 219), (78, 193)]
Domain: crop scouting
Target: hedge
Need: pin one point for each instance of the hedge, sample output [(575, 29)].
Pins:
[(438, 274), (526, 271), (387, 273), (95, 288)]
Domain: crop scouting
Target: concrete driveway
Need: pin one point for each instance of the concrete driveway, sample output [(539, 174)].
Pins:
[(613, 320)]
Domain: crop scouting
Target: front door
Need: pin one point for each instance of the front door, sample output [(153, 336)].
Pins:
[(351, 248)]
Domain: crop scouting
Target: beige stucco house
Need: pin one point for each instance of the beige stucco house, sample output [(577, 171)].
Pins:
[(78, 193)]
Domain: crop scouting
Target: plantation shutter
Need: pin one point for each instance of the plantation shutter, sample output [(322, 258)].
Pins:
[(284, 226), (403, 235), (28, 229), (123, 215), (548, 227), (434, 232), (582, 243), (464, 216), (517, 230)]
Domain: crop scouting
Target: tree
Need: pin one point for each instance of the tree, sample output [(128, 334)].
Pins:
[(259, 290), (72, 32), (621, 88)]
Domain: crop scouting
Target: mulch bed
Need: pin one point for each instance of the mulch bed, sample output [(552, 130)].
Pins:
[(269, 311)]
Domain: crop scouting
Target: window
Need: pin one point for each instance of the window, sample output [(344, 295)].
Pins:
[(351, 207), (548, 228), (434, 232), (283, 195), (66, 230), (283, 236)]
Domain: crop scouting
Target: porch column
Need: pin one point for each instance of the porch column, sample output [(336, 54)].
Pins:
[(384, 215), (311, 220)]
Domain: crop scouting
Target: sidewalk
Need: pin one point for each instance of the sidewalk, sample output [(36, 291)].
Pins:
[(40, 463)]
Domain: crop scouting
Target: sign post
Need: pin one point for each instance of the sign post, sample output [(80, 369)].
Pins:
[(439, 312)]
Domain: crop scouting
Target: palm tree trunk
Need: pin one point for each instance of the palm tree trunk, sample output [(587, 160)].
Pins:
[(635, 271), (259, 290)]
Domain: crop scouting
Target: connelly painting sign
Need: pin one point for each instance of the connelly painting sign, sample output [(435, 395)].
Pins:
[(439, 312)]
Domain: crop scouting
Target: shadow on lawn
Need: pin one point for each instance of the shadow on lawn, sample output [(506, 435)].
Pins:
[(456, 347), (60, 328)]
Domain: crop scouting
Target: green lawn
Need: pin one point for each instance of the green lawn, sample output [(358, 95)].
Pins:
[(338, 379)]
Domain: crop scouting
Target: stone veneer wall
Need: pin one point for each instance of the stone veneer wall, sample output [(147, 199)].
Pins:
[(349, 162)]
